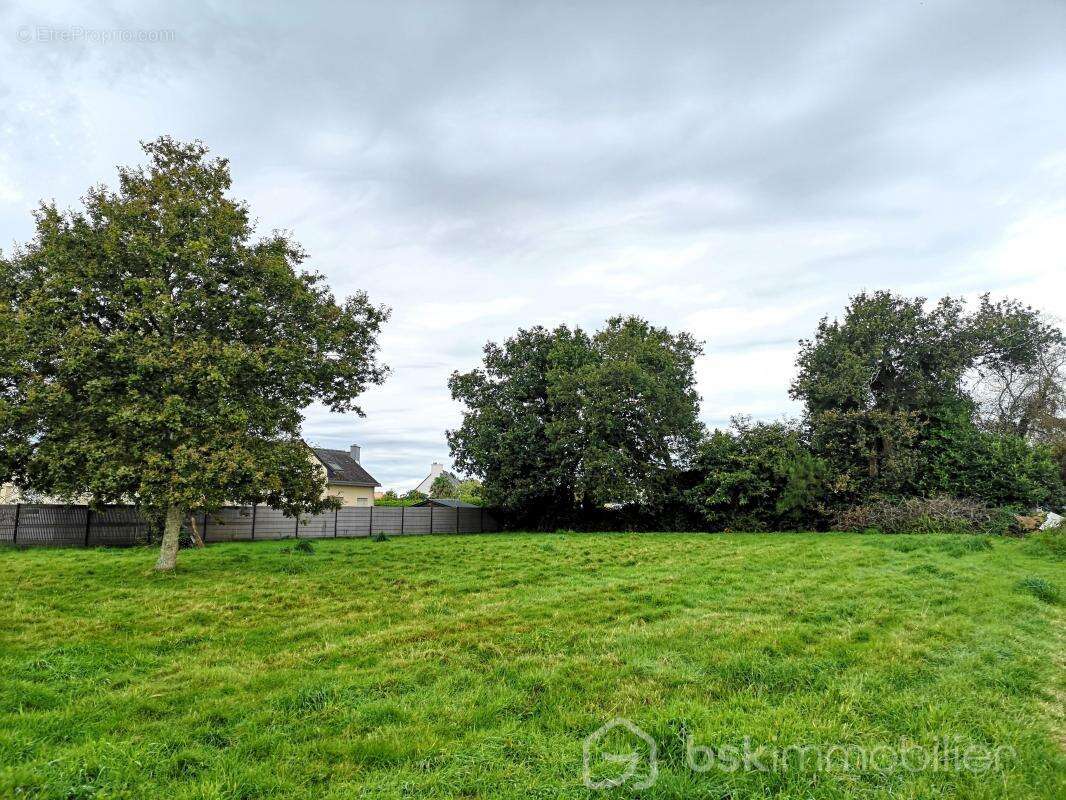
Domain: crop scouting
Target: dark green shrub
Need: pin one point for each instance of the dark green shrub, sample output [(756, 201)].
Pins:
[(1058, 454), (759, 476), (379, 537), (805, 490), (959, 459), (304, 546), (870, 452)]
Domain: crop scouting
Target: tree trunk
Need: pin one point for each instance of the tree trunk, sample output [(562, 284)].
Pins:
[(197, 539), (168, 551)]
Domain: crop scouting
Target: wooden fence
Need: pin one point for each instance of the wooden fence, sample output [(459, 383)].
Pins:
[(29, 525)]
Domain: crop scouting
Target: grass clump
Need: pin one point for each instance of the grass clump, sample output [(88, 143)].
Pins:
[(302, 546), (977, 544), (1048, 544), (1041, 589)]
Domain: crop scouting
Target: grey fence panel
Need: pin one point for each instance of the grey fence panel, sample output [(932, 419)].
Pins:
[(76, 526), (272, 523), (279, 525), (417, 520), (316, 526), (7, 524), (228, 524), (117, 526), (388, 519), (52, 525), (352, 521), (470, 520), (445, 520)]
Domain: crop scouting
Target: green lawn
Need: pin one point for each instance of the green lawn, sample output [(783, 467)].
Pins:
[(475, 666)]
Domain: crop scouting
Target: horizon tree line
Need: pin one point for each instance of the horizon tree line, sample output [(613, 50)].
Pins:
[(154, 350)]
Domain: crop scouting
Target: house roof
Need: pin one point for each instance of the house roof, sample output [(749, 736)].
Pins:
[(446, 501), (342, 469)]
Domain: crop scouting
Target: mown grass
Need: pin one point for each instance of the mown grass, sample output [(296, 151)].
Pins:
[(475, 666)]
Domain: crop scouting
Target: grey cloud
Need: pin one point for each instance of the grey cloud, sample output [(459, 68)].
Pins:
[(556, 162)]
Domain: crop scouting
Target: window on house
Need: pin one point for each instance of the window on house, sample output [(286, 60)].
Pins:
[(362, 501)]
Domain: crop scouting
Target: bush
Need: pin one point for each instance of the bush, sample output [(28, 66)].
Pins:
[(927, 515), (803, 497), (390, 498), (759, 476), (1058, 453), (1000, 469)]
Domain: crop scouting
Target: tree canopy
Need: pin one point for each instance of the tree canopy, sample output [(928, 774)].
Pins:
[(448, 487), (890, 397), (391, 498), (558, 421), (444, 486), (156, 352), (759, 476)]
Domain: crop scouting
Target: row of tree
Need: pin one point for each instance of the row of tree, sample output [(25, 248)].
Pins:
[(154, 351), (901, 398)]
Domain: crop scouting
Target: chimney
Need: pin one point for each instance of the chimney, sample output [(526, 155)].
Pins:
[(435, 469), (354, 450)]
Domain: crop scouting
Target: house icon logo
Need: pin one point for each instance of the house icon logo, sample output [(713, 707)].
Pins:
[(619, 753)]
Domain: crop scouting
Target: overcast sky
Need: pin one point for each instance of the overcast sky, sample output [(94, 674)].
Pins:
[(733, 169)]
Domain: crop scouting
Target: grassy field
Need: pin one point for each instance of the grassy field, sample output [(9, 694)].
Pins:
[(476, 666)]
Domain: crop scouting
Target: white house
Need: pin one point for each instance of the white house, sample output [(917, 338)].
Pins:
[(435, 471)]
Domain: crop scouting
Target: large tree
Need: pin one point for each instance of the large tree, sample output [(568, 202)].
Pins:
[(559, 421), (888, 391), (156, 352), (1021, 387)]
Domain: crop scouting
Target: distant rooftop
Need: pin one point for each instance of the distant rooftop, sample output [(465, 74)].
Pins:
[(342, 469)]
